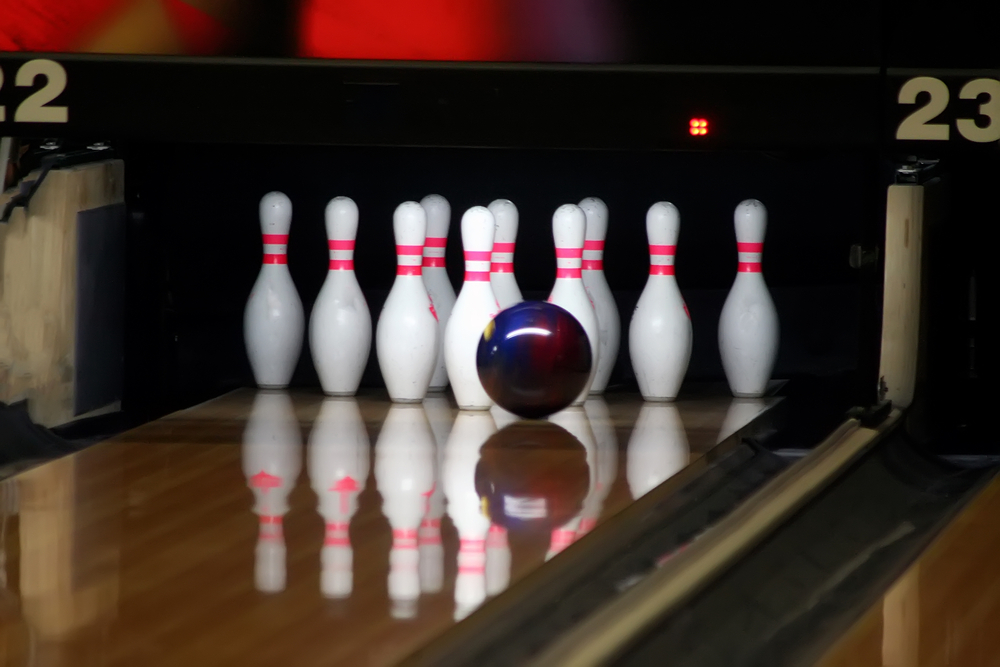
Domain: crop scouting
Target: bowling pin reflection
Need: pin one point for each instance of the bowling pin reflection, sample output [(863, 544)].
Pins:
[(502, 417), (470, 431), (404, 471), (606, 457), (741, 412), (337, 459), (439, 413), (272, 459), (497, 560), (658, 448), (574, 420)]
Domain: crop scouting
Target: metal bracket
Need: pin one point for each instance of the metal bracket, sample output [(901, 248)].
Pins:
[(48, 163)]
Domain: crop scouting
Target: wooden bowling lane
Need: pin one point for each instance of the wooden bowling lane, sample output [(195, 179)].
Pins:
[(945, 609), (200, 538)]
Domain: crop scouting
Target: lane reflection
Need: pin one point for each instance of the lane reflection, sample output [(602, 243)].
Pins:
[(404, 473), (606, 461), (658, 448), (431, 547), (575, 421), (338, 461), (272, 460), (740, 413)]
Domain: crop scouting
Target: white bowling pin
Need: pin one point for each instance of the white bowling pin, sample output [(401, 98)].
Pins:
[(497, 560), (273, 322), (608, 322), (439, 414), (406, 334), (436, 278), (657, 449), (337, 458), (404, 472), (574, 420), (569, 227), (502, 269), (748, 325), (606, 459), (741, 412), (475, 307), (659, 335), (340, 327), (470, 431), (272, 459)]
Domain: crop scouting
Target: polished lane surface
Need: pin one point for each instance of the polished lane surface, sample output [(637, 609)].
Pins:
[(262, 528), (945, 609)]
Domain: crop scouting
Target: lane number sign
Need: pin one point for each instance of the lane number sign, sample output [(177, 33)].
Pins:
[(920, 125), (37, 107)]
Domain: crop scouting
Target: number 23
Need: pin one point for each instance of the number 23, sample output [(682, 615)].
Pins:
[(917, 125)]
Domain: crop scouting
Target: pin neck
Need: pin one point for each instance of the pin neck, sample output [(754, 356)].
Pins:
[(749, 257), (434, 249), (477, 265), (275, 248), (337, 534), (593, 255), (503, 258), (341, 254), (569, 262), (661, 259), (404, 538), (471, 556), (408, 260)]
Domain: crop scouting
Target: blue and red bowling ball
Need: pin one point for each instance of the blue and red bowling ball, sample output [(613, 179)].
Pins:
[(534, 359)]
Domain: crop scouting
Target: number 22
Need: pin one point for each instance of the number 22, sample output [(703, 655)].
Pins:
[(35, 108)]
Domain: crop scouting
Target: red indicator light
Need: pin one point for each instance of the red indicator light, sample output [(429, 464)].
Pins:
[(698, 127)]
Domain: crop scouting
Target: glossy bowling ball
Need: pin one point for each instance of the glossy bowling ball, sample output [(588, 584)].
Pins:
[(532, 476), (533, 359)]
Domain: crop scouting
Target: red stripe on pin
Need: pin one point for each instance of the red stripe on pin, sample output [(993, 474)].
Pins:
[(472, 546), (749, 247), (478, 255), (503, 247), (568, 273), (477, 276), (408, 270), (593, 264), (502, 267), (593, 245), (341, 244), (749, 267), (569, 253), (662, 249), (661, 270), (275, 239), (435, 242), (409, 250), (275, 259), (341, 264), (435, 262)]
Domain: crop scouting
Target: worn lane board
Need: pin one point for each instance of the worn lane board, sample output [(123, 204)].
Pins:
[(141, 550)]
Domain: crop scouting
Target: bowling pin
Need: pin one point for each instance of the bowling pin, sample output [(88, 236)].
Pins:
[(608, 322), (574, 420), (475, 307), (659, 335), (406, 334), (741, 412), (606, 459), (337, 459), (569, 227), (748, 326), (465, 509), (340, 327), (657, 449), (273, 322), (436, 278), (439, 414), (404, 472), (272, 459), (502, 269)]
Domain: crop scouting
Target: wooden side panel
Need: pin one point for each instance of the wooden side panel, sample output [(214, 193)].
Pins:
[(39, 259)]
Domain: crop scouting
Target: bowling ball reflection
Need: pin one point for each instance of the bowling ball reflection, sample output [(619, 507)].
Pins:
[(532, 475), (534, 359)]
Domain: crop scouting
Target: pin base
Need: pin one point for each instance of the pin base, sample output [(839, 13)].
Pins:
[(737, 394), (406, 400), (659, 399), (341, 394)]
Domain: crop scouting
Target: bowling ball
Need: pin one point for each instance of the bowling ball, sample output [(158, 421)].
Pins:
[(533, 359), (532, 475)]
